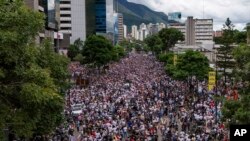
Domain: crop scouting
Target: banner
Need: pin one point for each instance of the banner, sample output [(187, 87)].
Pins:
[(211, 80)]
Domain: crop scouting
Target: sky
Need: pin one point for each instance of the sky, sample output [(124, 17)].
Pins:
[(219, 10)]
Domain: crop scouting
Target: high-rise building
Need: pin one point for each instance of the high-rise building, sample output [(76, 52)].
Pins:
[(143, 25), (190, 31), (203, 30), (78, 20), (248, 33), (161, 26), (65, 16), (174, 16), (120, 27), (153, 28), (134, 32), (180, 26), (65, 22), (51, 9), (125, 31), (91, 17), (100, 18), (143, 31)]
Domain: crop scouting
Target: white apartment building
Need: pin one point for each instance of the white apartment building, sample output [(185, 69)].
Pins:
[(72, 19), (143, 33), (125, 31), (203, 30), (78, 20), (161, 26), (196, 31), (65, 16), (135, 32), (180, 26)]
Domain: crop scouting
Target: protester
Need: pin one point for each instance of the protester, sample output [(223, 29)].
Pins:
[(135, 100)]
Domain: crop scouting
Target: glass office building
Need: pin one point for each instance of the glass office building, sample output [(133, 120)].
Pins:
[(90, 17), (52, 13), (100, 18), (100, 14), (116, 28), (175, 16)]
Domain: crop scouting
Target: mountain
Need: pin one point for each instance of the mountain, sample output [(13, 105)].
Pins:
[(135, 14)]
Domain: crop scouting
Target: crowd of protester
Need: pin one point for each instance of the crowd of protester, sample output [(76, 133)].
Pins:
[(135, 100)]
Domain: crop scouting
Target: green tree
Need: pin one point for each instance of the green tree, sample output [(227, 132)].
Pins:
[(97, 51), (29, 98), (170, 36), (191, 63), (78, 58), (154, 43), (75, 49), (224, 56), (126, 44), (57, 64), (240, 36), (117, 53), (217, 40), (238, 111)]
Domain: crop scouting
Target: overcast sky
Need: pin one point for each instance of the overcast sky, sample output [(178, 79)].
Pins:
[(237, 10)]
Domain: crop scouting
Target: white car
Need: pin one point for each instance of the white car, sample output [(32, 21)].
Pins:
[(77, 109)]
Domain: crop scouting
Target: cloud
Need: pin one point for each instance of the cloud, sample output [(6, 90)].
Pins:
[(237, 10)]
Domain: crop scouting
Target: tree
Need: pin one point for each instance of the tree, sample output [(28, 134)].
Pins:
[(170, 36), (57, 64), (224, 55), (126, 45), (75, 48), (29, 98), (218, 40), (78, 58), (154, 43), (240, 36), (191, 63), (117, 53), (238, 111), (97, 51)]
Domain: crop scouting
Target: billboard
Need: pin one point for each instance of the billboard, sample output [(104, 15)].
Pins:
[(211, 80)]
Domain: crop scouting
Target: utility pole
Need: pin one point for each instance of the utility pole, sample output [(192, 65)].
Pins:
[(216, 89)]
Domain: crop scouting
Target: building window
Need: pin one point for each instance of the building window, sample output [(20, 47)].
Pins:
[(64, 2), (62, 22), (65, 8), (65, 15), (65, 28)]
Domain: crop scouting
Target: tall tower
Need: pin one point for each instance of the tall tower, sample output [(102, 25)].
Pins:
[(125, 30), (78, 17), (190, 31), (134, 32), (120, 27)]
